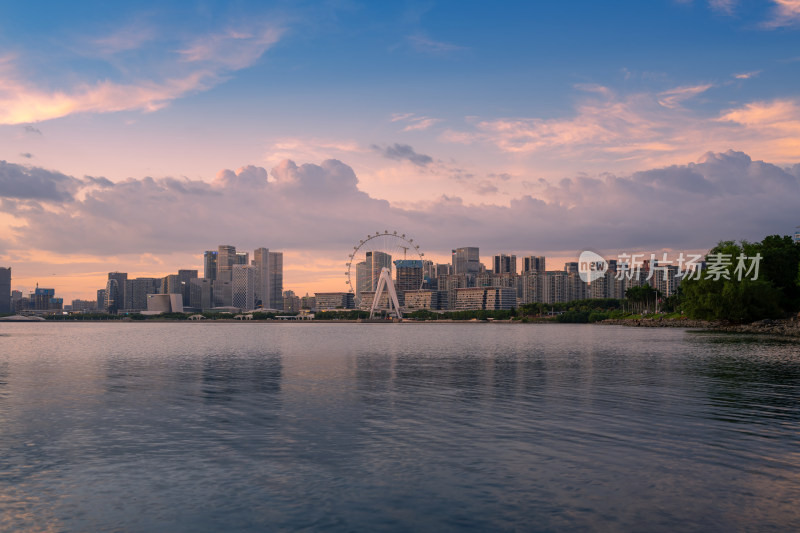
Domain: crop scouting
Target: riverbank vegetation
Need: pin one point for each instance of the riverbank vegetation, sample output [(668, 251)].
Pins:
[(774, 293)]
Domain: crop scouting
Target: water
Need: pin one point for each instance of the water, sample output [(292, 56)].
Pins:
[(396, 427)]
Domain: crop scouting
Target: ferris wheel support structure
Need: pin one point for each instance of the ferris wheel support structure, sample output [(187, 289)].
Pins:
[(385, 282)]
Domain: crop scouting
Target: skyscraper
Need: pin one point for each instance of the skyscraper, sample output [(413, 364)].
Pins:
[(534, 263), (363, 278), (119, 298), (443, 269), (112, 296), (171, 284), (226, 258), (276, 280), (136, 291), (505, 264), (222, 292), (369, 270), (408, 277), (185, 277), (5, 290), (263, 279), (210, 264), (467, 262), (201, 295), (244, 287)]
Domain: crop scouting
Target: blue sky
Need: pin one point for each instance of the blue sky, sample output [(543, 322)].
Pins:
[(431, 105)]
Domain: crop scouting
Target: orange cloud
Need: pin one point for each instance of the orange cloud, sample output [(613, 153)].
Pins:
[(648, 128), (22, 101), (786, 13)]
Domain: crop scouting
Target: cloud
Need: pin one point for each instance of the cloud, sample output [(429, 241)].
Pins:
[(421, 43), (130, 37), (31, 129), (313, 148), (785, 13), (414, 122), (645, 129), (32, 183), (673, 97), (403, 152), (233, 49), (747, 75), (21, 102), (723, 6), (320, 207), (26, 155), (196, 67)]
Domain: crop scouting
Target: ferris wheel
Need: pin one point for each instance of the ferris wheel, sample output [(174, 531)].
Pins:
[(376, 251)]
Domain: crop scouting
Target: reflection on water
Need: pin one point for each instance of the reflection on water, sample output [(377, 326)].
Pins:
[(208, 427)]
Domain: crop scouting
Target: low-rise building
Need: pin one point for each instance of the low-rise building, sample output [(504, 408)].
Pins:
[(326, 301)]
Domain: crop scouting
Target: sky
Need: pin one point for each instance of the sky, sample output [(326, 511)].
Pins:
[(135, 136)]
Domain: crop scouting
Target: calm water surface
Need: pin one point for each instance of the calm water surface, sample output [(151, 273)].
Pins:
[(396, 427)]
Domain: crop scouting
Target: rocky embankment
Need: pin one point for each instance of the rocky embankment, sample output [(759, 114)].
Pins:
[(660, 322), (789, 327)]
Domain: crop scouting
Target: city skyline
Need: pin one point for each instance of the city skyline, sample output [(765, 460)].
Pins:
[(247, 284), (132, 137)]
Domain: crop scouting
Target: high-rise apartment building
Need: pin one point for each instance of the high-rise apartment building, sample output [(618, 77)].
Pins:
[(5, 290), (555, 287), (534, 263), (276, 280), (210, 264), (504, 264), (443, 269), (428, 269)]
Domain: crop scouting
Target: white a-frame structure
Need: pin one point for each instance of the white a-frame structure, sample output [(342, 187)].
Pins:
[(385, 281)]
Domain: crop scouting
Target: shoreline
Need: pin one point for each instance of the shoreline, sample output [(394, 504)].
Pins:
[(786, 327)]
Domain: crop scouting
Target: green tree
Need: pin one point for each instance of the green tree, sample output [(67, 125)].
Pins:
[(723, 296), (641, 299), (779, 265)]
